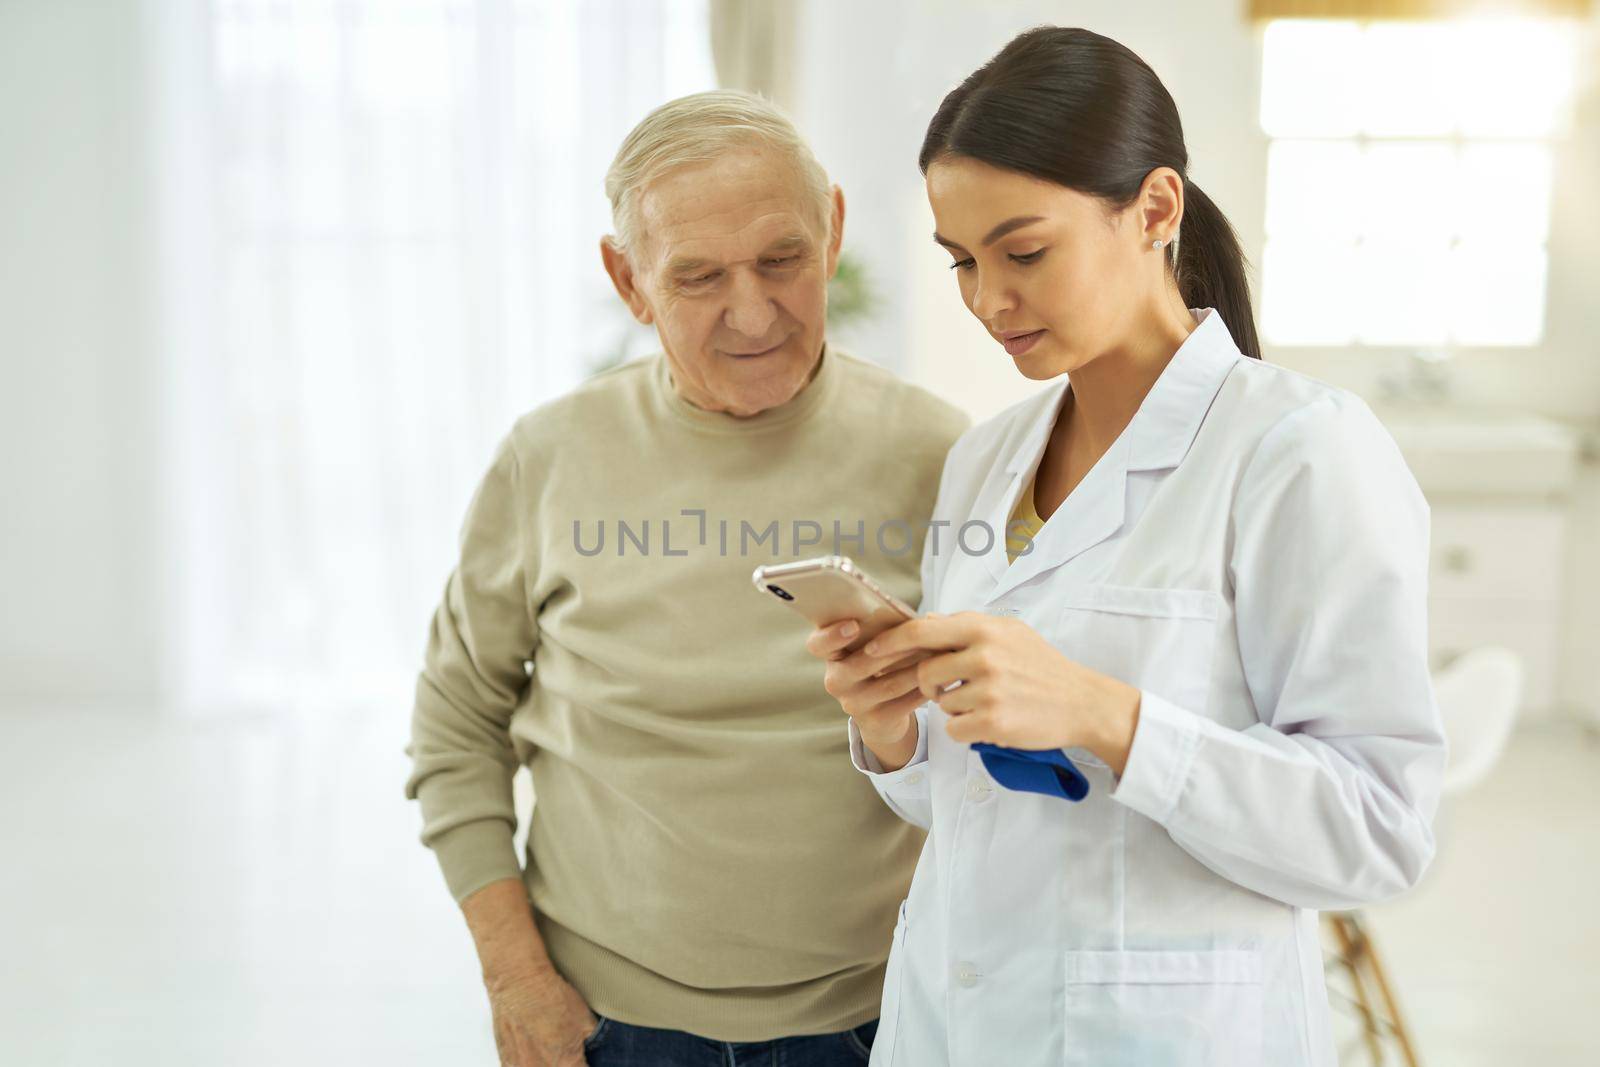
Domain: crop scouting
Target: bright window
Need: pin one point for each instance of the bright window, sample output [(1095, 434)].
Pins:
[(1408, 179)]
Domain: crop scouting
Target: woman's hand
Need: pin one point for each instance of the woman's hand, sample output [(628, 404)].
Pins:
[(1016, 689), (881, 706)]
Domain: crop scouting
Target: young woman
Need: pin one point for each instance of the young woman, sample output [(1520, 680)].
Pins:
[(1212, 604)]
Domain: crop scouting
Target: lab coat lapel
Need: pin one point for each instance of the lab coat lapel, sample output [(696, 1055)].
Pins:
[(1094, 511), (996, 502), (994, 508)]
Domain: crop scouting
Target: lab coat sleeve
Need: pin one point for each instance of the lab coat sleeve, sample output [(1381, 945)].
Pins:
[(905, 790), (1327, 802)]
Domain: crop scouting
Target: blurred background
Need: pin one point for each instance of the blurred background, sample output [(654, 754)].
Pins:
[(276, 274)]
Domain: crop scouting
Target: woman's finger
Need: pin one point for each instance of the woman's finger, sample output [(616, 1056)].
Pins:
[(860, 665), (904, 661), (847, 674), (934, 633), (968, 729), (875, 691), (962, 700), (892, 713), (829, 642), (936, 673)]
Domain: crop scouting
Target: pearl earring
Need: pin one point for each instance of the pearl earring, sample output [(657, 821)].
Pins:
[(1156, 244)]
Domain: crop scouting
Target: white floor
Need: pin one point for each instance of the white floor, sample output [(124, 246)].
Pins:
[(253, 893), (249, 894), (1496, 954)]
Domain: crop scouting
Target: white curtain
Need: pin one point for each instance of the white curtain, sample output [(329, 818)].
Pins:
[(753, 47), (382, 221)]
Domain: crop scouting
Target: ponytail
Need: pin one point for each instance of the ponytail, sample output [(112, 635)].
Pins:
[(1210, 267)]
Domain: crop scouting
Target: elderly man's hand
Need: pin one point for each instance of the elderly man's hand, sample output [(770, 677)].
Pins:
[(539, 1020)]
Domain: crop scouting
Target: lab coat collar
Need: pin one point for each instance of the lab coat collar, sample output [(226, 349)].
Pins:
[(1164, 426), (1157, 438), (1166, 423)]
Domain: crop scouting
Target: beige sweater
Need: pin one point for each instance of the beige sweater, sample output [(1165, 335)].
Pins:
[(702, 855)]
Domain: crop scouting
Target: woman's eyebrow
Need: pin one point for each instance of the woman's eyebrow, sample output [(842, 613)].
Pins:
[(996, 233)]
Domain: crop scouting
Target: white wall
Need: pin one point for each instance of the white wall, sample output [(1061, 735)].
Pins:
[(78, 432), (874, 74)]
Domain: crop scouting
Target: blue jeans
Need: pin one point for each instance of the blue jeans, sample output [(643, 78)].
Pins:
[(616, 1044)]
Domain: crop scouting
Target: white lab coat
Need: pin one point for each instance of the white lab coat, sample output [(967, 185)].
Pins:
[(1252, 554)]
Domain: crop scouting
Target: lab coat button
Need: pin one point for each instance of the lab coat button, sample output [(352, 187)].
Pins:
[(967, 975), (979, 791), (913, 778)]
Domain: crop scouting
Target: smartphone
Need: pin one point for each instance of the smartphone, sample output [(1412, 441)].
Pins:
[(830, 589)]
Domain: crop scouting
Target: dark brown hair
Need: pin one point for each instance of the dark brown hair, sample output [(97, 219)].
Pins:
[(1078, 109)]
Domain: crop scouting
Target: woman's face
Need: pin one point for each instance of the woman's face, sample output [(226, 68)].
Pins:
[(1052, 274)]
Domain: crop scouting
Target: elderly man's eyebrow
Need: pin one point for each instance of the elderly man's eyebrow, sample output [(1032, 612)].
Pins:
[(682, 267), (793, 243), (687, 266), (995, 234)]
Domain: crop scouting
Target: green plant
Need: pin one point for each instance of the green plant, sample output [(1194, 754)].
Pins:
[(851, 296)]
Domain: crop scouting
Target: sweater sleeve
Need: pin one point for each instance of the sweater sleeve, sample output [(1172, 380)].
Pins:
[(473, 677)]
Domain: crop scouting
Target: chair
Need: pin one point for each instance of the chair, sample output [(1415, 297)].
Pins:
[(1478, 695)]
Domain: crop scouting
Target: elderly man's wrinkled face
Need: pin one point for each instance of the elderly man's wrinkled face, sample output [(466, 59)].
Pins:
[(732, 269)]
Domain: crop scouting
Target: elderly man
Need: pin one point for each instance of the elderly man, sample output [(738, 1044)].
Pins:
[(706, 874)]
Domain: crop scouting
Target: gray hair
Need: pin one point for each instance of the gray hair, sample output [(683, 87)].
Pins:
[(699, 128)]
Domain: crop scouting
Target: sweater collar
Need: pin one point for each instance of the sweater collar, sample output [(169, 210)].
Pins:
[(811, 397)]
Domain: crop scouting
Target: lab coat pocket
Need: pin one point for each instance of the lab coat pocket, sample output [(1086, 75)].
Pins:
[(883, 1044), (1159, 640), (1178, 1009)]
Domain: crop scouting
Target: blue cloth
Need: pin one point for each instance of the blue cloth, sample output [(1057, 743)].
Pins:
[(1049, 771)]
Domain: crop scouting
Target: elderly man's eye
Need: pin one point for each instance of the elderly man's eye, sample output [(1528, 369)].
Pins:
[(783, 261)]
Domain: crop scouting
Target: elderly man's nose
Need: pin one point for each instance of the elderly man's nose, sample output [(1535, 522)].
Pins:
[(750, 311)]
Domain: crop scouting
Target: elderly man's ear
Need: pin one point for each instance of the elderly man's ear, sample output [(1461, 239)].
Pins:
[(622, 276), (838, 231)]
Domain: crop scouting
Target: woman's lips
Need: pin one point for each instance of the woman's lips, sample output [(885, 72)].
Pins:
[(1020, 343)]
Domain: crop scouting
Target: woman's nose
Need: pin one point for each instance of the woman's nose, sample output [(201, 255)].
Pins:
[(989, 300)]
